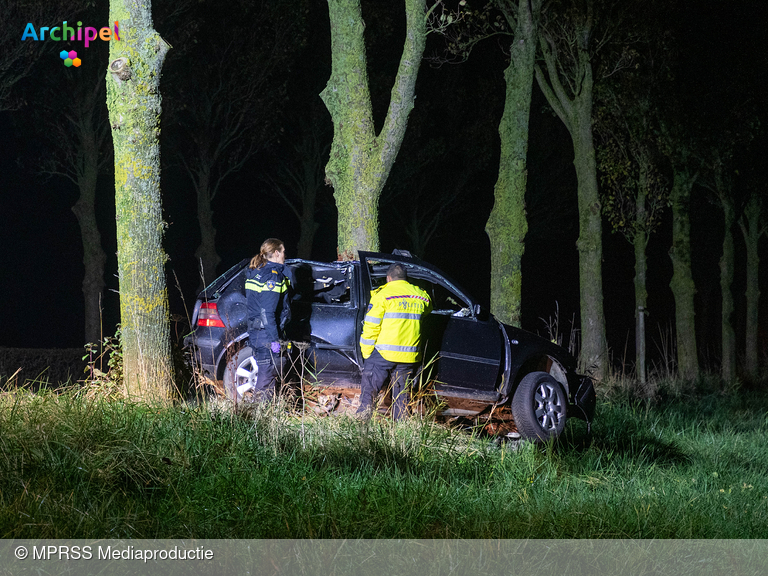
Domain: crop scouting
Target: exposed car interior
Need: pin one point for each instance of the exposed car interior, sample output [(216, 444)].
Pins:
[(444, 301), (315, 283)]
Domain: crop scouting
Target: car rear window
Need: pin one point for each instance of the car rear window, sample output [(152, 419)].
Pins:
[(214, 288)]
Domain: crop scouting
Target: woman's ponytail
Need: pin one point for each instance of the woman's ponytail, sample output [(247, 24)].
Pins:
[(268, 247)]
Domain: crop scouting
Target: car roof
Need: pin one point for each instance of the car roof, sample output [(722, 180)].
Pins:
[(214, 288)]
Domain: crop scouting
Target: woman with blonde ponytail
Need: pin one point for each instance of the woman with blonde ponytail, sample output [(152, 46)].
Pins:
[(271, 249), (266, 289)]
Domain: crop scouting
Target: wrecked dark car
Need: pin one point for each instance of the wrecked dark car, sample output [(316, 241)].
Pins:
[(476, 365)]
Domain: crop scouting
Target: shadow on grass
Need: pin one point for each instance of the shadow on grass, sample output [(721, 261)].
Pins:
[(618, 434), (645, 432), (643, 449)]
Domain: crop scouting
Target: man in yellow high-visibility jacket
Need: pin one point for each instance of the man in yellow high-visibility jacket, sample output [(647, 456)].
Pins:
[(391, 340)]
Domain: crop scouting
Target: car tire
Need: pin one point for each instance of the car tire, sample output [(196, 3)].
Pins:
[(240, 371), (539, 407)]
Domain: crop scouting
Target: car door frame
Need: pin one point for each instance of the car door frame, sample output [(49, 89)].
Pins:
[(488, 392), (353, 307)]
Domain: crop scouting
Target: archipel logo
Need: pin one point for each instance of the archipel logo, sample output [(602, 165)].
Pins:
[(67, 33), (70, 58)]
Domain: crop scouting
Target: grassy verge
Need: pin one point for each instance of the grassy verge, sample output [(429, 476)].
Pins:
[(74, 465)]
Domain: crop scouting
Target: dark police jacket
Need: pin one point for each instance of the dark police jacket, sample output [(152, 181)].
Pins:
[(267, 289)]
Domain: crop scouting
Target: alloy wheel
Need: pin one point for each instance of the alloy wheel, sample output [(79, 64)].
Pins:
[(549, 406)]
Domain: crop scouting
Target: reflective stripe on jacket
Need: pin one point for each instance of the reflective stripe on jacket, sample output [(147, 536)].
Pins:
[(266, 292), (393, 322)]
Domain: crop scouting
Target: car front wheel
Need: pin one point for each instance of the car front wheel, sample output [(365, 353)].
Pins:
[(240, 374), (539, 407)]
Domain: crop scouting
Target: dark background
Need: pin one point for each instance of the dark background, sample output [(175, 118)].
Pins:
[(40, 248)]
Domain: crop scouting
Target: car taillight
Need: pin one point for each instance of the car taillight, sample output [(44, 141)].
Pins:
[(209, 315)]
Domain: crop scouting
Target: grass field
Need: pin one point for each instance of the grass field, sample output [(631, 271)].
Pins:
[(690, 464)]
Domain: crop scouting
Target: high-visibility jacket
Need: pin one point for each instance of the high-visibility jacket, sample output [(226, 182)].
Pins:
[(393, 322), (266, 290)]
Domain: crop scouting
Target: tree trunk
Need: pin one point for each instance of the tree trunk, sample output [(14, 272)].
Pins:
[(133, 100), (640, 242), (641, 299), (94, 258), (308, 226), (576, 113), (206, 255), (750, 228), (683, 288), (361, 160), (728, 365), (589, 243), (507, 224)]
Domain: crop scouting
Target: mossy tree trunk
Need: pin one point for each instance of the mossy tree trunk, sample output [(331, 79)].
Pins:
[(360, 159), (507, 224), (575, 110), (752, 229), (133, 99), (682, 285)]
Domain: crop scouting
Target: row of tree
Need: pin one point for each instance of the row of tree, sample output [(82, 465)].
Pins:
[(608, 75), (602, 65)]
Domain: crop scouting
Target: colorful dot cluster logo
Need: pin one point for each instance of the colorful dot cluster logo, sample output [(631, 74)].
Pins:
[(70, 58)]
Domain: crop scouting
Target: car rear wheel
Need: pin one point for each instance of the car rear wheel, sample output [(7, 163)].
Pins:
[(539, 407), (240, 374)]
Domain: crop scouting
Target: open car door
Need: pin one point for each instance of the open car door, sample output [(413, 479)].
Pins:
[(325, 314)]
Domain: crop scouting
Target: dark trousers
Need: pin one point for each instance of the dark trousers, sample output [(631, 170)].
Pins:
[(375, 372), (264, 390)]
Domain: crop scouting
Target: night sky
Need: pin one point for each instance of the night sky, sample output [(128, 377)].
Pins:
[(458, 106)]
